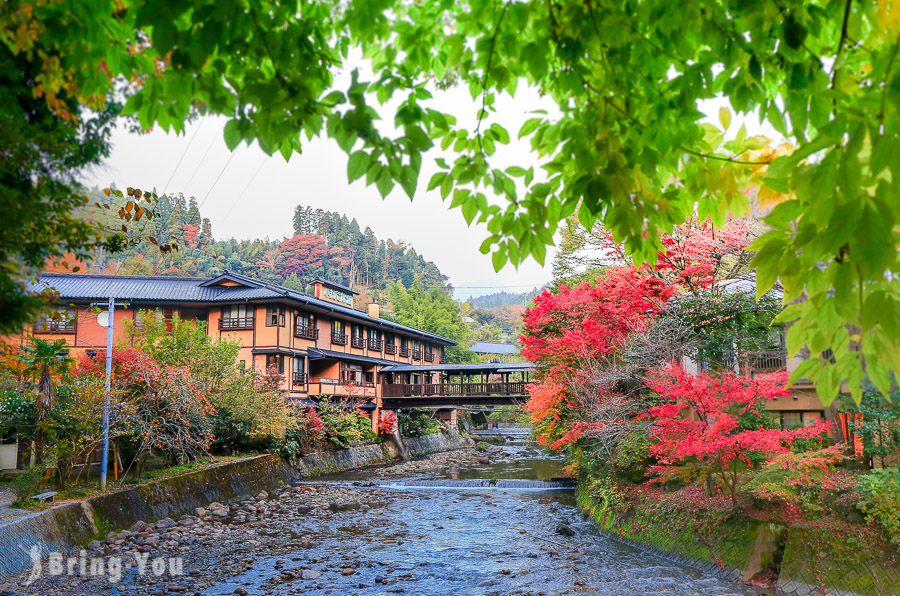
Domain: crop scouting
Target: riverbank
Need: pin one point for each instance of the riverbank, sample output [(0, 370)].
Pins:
[(66, 527), (801, 559), (376, 532)]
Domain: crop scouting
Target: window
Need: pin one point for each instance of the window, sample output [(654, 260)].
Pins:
[(298, 373), (370, 377), (140, 317), (337, 326), (275, 315), (60, 320), (237, 316), (306, 326), (351, 373), (276, 360)]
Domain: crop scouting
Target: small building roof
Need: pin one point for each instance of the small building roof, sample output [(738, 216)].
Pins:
[(469, 367), (490, 347)]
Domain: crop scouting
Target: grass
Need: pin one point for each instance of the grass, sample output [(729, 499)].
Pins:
[(86, 490)]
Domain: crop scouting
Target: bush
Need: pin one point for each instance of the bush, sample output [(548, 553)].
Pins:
[(344, 423), (417, 422), (27, 483), (880, 490)]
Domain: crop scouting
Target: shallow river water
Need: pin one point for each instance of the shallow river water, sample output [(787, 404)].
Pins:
[(462, 530)]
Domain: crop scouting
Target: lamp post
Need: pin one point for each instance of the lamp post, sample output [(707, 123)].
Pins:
[(104, 455)]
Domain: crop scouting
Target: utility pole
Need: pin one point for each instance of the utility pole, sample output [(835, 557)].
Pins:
[(104, 456)]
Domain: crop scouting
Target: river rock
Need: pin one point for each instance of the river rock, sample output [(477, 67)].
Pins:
[(164, 524), (200, 512), (310, 574), (94, 545), (139, 527), (348, 571), (564, 530)]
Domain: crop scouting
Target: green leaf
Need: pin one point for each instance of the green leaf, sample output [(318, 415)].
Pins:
[(384, 182), (232, 134), (725, 117), (357, 165), (436, 180), (499, 259)]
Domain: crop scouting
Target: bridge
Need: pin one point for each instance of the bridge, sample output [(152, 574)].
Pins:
[(449, 385)]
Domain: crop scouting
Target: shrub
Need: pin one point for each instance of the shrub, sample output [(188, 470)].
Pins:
[(880, 490), (343, 422), (417, 422), (27, 483)]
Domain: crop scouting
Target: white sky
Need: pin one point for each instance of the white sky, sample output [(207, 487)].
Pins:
[(256, 194), (250, 195)]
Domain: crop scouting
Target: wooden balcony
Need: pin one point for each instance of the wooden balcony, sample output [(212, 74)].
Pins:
[(357, 342), (336, 387), (768, 360), (443, 359), (306, 332), (375, 344), (236, 323), (299, 378), (54, 327), (390, 348), (429, 356), (339, 338), (453, 389), (404, 352), (417, 354)]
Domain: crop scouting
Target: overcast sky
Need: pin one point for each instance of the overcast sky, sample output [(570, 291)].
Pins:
[(247, 194)]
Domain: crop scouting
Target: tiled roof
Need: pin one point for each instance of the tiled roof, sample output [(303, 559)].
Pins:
[(319, 353), (490, 347), (473, 367), (202, 290)]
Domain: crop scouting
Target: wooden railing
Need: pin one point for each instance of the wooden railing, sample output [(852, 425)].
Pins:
[(390, 348), (357, 342), (443, 359), (452, 389), (404, 352), (429, 356), (299, 378), (768, 360), (375, 344), (339, 338), (54, 327), (237, 323), (417, 354), (306, 332)]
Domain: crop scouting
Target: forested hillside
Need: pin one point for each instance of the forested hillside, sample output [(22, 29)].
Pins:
[(325, 244), (503, 298)]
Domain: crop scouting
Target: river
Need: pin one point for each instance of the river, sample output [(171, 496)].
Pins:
[(467, 522), (463, 530)]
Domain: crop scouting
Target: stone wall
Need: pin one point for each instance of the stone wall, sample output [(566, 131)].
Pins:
[(68, 527)]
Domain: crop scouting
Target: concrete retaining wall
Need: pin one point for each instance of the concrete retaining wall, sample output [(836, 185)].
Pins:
[(68, 527)]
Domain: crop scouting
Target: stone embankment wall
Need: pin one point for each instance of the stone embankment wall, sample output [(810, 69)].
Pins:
[(744, 549), (68, 527)]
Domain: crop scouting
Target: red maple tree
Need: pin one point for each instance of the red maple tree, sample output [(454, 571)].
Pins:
[(302, 252), (590, 322), (716, 423)]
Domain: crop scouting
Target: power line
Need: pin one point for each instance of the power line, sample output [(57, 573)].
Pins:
[(197, 169), (183, 153), (241, 195), (216, 181)]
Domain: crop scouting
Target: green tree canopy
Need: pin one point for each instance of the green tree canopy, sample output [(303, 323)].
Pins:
[(627, 145)]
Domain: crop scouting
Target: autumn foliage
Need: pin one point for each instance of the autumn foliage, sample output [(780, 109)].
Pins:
[(717, 423)]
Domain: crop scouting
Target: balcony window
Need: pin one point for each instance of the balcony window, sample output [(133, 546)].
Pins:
[(298, 374), (306, 327), (60, 320), (429, 354), (275, 315), (357, 339), (375, 342), (140, 317), (351, 373), (337, 333), (390, 345), (237, 316)]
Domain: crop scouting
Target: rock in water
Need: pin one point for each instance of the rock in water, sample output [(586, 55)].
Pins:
[(564, 530)]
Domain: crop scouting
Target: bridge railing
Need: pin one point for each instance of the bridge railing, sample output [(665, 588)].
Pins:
[(452, 389)]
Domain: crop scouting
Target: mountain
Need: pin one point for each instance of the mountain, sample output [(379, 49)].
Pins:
[(325, 244), (503, 298)]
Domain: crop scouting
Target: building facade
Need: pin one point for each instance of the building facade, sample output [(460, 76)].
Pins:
[(321, 343)]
